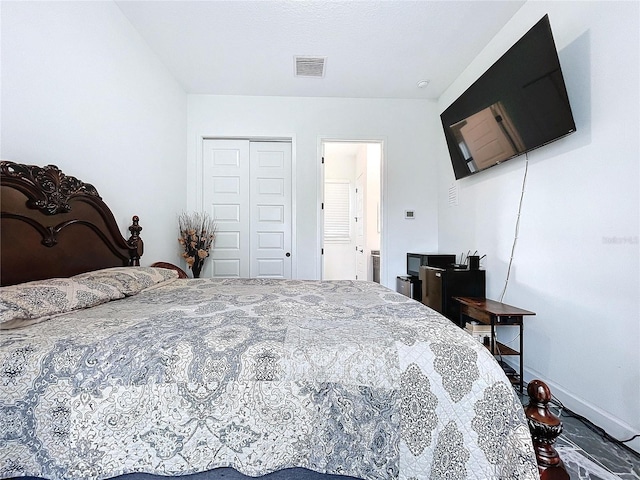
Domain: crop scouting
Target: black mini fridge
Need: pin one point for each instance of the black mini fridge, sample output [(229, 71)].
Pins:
[(439, 286)]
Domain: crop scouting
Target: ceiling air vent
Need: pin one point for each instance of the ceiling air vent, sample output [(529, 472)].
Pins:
[(310, 66)]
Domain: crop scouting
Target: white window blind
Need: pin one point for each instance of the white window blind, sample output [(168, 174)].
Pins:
[(337, 211)]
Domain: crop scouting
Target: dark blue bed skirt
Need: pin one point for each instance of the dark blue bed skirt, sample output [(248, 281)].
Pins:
[(229, 474)]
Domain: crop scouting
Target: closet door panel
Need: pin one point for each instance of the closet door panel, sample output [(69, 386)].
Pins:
[(226, 198), (270, 243)]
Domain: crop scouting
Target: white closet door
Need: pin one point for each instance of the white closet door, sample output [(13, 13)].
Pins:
[(226, 198), (247, 189), (270, 219)]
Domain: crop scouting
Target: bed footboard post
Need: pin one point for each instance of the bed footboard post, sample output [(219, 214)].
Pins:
[(135, 242), (545, 428)]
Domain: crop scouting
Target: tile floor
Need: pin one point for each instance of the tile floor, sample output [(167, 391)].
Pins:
[(588, 456)]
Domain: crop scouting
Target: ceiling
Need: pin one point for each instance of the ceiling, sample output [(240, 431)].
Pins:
[(373, 49)]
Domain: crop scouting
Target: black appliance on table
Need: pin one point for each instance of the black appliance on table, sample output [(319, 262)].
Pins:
[(410, 284), (440, 285)]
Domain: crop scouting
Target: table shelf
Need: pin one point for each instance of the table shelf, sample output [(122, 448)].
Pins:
[(502, 349), (497, 314)]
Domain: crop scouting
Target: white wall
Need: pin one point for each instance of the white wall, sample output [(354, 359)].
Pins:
[(407, 127), (81, 90), (576, 261)]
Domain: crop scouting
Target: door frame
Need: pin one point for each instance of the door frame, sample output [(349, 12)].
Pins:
[(253, 138), (382, 141)]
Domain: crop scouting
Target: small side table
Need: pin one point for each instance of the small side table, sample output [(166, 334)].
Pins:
[(496, 314)]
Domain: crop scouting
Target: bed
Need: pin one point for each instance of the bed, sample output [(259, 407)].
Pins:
[(111, 368)]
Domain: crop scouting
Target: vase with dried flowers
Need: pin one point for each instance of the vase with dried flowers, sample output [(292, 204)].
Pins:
[(197, 233)]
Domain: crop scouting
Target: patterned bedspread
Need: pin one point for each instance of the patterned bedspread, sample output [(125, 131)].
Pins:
[(338, 377)]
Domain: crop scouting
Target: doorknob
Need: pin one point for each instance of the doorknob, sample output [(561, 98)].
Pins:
[(287, 254)]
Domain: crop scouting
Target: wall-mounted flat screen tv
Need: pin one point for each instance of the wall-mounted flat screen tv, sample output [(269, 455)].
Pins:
[(518, 104)]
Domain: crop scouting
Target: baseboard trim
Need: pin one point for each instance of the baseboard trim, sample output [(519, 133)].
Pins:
[(614, 426)]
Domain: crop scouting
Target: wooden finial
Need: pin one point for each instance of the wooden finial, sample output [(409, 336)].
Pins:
[(545, 428), (135, 242)]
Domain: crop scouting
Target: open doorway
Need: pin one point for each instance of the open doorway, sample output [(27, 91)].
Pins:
[(352, 210)]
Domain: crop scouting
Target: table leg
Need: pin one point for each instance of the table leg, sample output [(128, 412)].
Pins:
[(521, 355), (493, 335)]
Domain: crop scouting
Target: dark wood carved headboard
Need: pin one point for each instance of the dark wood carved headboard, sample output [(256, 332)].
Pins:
[(54, 225)]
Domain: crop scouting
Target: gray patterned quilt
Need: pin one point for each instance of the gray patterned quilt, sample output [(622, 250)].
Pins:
[(338, 377)]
